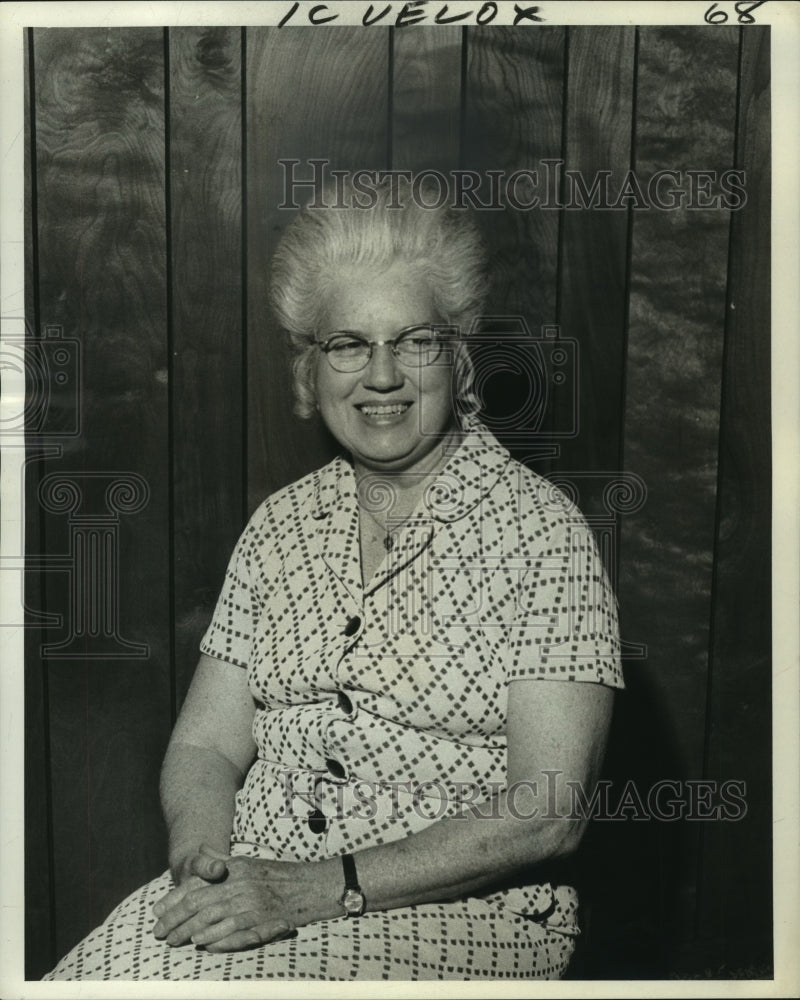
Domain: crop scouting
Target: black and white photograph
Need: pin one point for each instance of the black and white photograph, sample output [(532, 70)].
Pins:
[(399, 432)]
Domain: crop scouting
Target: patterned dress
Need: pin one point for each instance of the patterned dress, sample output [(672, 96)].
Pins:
[(382, 708)]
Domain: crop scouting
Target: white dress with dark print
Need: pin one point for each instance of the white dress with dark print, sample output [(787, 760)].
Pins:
[(382, 708)]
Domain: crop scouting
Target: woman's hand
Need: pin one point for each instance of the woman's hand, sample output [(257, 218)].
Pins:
[(206, 864), (194, 871), (257, 902)]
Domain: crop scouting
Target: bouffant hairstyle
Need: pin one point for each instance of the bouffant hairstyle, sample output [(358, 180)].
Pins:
[(441, 243)]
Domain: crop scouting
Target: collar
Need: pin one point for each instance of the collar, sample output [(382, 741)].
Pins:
[(469, 475)]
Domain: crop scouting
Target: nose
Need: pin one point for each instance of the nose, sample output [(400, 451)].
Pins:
[(383, 371)]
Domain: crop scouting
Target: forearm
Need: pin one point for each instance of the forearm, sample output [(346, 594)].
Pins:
[(460, 855), (511, 833), (261, 900), (198, 789), (484, 848), (451, 858)]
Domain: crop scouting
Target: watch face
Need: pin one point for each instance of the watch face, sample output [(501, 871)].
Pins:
[(353, 903)]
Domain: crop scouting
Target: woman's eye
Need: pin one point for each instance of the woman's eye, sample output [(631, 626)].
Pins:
[(346, 346), (417, 342), (419, 335)]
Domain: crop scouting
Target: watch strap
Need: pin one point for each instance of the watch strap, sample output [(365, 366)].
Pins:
[(350, 874), (352, 898)]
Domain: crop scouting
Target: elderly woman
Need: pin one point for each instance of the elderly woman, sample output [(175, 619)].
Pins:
[(369, 776)]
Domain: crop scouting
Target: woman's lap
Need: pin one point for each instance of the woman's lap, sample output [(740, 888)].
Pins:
[(464, 940)]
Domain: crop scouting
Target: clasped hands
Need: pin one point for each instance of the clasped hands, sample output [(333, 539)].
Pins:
[(228, 903)]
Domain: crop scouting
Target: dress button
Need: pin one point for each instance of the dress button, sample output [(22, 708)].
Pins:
[(335, 768), (352, 626), (317, 822), (344, 703)]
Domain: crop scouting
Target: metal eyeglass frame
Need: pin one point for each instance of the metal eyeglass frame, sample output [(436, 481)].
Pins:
[(394, 342)]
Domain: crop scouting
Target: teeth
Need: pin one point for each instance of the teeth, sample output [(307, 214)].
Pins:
[(381, 411)]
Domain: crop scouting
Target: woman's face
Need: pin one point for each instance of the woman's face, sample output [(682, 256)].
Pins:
[(389, 416)]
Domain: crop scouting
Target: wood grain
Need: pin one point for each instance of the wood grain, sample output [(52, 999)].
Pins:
[(690, 379), (426, 99), (677, 319), (310, 94), (513, 121), (592, 295), (39, 943), (685, 120), (594, 255), (515, 86), (101, 221), (734, 926), (205, 147)]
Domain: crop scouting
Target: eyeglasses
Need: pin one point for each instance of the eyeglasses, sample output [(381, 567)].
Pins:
[(415, 346)]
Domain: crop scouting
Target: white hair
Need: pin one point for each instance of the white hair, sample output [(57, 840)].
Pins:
[(442, 244)]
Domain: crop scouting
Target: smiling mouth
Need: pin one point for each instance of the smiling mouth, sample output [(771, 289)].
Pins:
[(382, 409)]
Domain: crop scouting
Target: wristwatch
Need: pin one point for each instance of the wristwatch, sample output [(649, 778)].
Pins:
[(352, 898)]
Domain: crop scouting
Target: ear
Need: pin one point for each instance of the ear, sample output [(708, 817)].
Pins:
[(304, 374), (467, 402)]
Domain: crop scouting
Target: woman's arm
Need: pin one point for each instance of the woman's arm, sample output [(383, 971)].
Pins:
[(208, 755), (552, 726)]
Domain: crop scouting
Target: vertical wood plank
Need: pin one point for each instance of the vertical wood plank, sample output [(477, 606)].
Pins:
[(734, 919), (513, 116), (513, 121), (101, 175), (100, 166), (594, 253), (593, 297), (310, 94), (205, 146), (39, 951), (677, 318), (426, 99), (686, 90)]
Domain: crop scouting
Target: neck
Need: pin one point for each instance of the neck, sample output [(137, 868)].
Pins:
[(414, 480)]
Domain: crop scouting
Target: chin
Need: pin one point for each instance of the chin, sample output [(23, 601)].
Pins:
[(385, 461), (386, 451)]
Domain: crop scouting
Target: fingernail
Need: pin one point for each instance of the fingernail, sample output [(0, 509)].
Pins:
[(158, 930), (158, 909)]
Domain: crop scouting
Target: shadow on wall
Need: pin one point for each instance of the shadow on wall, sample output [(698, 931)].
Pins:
[(636, 876)]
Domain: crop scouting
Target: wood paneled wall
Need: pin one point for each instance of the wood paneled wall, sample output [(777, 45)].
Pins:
[(153, 187)]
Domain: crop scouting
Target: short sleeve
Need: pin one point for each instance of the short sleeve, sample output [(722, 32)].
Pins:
[(231, 630), (565, 624)]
